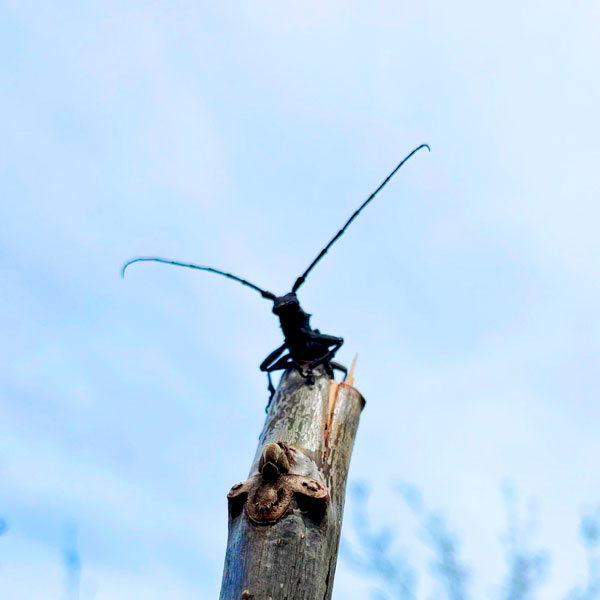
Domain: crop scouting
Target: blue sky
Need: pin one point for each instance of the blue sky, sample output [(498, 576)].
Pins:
[(241, 135)]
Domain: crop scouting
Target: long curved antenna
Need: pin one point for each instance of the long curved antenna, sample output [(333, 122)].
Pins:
[(339, 234), (263, 293)]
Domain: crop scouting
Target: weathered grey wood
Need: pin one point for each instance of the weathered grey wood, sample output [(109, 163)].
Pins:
[(295, 557)]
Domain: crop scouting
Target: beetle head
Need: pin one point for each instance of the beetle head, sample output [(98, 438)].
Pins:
[(285, 305)]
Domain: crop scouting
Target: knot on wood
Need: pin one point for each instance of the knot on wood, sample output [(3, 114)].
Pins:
[(274, 461), (268, 494)]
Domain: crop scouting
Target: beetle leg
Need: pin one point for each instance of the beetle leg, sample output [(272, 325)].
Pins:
[(310, 378), (270, 386), (264, 365), (326, 340), (285, 362), (338, 367)]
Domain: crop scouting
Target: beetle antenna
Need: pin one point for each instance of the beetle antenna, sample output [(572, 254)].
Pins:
[(339, 234), (263, 293)]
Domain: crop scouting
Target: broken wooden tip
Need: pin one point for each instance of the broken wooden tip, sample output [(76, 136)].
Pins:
[(350, 377)]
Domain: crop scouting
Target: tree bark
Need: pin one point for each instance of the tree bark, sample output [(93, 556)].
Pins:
[(285, 520)]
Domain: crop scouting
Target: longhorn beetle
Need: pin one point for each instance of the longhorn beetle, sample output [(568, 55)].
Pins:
[(307, 348)]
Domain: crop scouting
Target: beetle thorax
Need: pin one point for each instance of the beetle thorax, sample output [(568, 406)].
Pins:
[(291, 316)]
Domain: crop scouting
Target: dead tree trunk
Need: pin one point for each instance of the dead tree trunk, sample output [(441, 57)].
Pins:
[(285, 520)]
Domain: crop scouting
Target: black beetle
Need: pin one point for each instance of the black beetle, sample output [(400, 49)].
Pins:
[(306, 347)]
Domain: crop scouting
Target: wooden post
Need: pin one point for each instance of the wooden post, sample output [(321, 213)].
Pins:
[(285, 520)]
